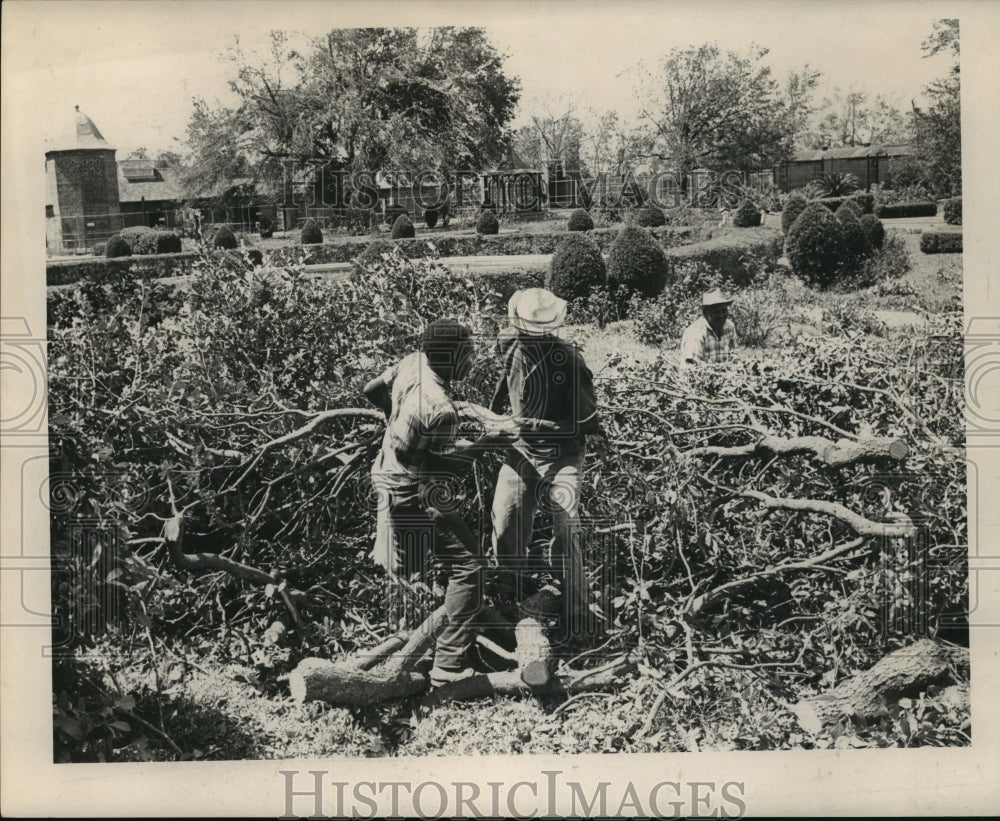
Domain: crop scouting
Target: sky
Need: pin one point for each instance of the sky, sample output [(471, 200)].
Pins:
[(133, 67)]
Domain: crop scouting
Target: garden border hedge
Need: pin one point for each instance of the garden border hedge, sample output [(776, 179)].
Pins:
[(866, 201), (727, 253), (906, 209), (941, 242)]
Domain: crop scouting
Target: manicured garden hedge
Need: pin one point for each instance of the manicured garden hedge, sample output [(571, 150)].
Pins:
[(941, 242), (866, 201), (730, 254), (906, 209), (953, 211)]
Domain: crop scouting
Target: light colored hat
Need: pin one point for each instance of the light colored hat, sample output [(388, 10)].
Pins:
[(537, 311), (715, 297)]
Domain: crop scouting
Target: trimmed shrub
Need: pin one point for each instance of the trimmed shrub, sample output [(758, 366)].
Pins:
[(873, 230), (817, 246), (580, 220), (143, 240), (117, 247), (941, 242), (848, 210), (402, 228), (796, 205), (747, 215), (650, 216), (577, 268), (265, 227), (865, 201), (372, 253), (854, 238), (430, 217), (487, 223), (224, 238), (906, 209), (636, 263), (953, 211), (311, 233), (736, 258)]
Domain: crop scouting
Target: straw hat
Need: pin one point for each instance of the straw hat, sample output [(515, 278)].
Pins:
[(536, 311), (715, 297)]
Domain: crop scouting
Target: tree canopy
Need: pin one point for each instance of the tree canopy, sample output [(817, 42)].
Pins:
[(938, 126), (358, 99), (721, 110)]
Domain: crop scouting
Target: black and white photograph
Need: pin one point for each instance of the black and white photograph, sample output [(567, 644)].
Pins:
[(500, 409)]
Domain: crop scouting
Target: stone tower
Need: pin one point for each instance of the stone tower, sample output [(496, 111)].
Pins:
[(81, 179)]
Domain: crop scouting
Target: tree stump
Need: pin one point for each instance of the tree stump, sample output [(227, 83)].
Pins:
[(865, 695), (534, 650)]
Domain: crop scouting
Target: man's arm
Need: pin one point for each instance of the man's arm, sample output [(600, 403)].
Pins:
[(379, 393)]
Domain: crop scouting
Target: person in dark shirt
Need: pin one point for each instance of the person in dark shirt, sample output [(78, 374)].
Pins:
[(544, 378)]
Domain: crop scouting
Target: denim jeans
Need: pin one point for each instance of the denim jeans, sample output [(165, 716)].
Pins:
[(524, 483), (409, 532)]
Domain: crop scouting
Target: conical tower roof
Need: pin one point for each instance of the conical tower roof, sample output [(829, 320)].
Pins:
[(82, 135)]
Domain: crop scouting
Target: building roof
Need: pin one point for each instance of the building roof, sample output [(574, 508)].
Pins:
[(851, 152), (82, 135), (141, 178)]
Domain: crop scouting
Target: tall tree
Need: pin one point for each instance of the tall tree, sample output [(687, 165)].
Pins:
[(359, 99), (555, 133), (722, 111), (855, 118), (938, 126)]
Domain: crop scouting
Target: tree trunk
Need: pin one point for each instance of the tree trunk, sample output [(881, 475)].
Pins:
[(865, 695)]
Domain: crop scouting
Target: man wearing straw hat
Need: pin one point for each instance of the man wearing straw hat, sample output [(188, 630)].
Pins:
[(544, 378), (711, 337)]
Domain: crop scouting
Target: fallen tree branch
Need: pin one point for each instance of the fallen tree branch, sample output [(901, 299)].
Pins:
[(860, 525), (830, 453)]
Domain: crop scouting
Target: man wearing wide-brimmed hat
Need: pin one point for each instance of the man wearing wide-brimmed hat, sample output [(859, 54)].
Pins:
[(544, 378), (711, 337)]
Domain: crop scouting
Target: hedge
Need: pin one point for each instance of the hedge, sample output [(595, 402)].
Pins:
[(953, 211), (866, 201), (941, 242), (906, 209), (731, 254)]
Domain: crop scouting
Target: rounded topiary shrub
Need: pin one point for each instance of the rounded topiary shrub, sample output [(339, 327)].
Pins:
[(487, 223), (873, 231), (402, 228), (636, 264), (577, 268), (580, 220), (372, 255), (747, 215), (848, 209), (224, 238), (818, 246), (649, 216), (430, 217), (796, 205), (953, 211), (265, 227), (117, 247), (855, 245), (165, 242), (311, 233)]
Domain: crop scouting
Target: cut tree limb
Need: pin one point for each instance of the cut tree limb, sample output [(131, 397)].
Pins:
[(865, 695), (860, 525), (833, 454)]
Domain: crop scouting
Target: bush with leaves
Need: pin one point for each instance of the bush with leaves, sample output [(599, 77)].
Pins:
[(224, 238), (577, 268), (837, 184), (579, 220), (311, 234), (487, 223), (941, 242), (747, 215), (819, 248), (649, 216), (953, 211), (873, 230), (636, 264), (431, 217), (117, 247), (795, 205), (402, 228)]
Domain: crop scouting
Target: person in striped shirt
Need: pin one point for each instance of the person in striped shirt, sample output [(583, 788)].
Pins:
[(711, 337)]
